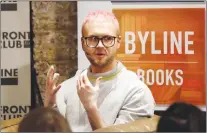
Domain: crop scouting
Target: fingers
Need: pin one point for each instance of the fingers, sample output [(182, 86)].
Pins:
[(86, 80), (50, 74), (55, 79), (56, 89), (98, 81), (78, 85), (81, 82), (84, 83)]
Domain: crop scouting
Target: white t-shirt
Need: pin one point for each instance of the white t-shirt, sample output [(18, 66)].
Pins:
[(122, 98)]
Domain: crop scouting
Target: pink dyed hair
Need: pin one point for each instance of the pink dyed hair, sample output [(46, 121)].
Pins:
[(105, 15)]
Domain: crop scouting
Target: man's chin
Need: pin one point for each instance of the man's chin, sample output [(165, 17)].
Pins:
[(100, 64)]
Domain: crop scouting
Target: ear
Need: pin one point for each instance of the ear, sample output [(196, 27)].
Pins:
[(82, 42)]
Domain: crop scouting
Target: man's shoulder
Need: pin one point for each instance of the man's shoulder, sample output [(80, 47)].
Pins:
[(129, 73), (133, 79), (137, 86)]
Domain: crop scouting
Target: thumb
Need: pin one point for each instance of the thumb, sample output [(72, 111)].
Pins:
[(98, 82), (56, 90)]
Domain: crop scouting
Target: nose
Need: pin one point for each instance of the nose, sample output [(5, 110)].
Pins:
[(100, 44)]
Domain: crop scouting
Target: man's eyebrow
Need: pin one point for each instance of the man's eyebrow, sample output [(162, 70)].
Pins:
[(93, 36)]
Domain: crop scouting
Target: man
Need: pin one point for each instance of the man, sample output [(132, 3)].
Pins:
[(106, 93)]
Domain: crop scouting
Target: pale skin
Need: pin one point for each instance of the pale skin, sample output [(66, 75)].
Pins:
[(99, 64)]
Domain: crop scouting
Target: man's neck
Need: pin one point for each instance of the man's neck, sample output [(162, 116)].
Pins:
[(104, 69)]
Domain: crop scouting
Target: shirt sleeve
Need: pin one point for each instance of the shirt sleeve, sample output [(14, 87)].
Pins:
[(139, 103)]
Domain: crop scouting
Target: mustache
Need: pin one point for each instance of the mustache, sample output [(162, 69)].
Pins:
[(96, 52)]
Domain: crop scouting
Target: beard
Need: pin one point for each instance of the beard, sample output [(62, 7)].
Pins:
[(101, 63)]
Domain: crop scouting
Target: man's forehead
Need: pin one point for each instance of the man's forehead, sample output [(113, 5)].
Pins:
[(100, 28)]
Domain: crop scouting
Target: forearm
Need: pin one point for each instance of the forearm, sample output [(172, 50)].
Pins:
[(47, 103), (95, 118)]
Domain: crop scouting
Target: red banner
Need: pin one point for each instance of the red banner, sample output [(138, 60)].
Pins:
[(166, 48)]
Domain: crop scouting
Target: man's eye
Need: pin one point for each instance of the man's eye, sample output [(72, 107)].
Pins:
[(94, 38), (108, 38)]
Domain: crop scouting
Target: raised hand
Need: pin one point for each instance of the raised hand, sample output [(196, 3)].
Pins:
[(87, 92), (51, 88)]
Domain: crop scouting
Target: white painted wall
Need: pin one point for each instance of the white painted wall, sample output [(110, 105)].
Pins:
[(83, 8)]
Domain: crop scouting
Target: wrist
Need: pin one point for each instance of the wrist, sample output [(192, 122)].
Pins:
[(91, 108), (49, 104)]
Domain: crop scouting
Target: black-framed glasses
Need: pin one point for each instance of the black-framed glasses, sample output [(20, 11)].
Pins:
[(107, 41)]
